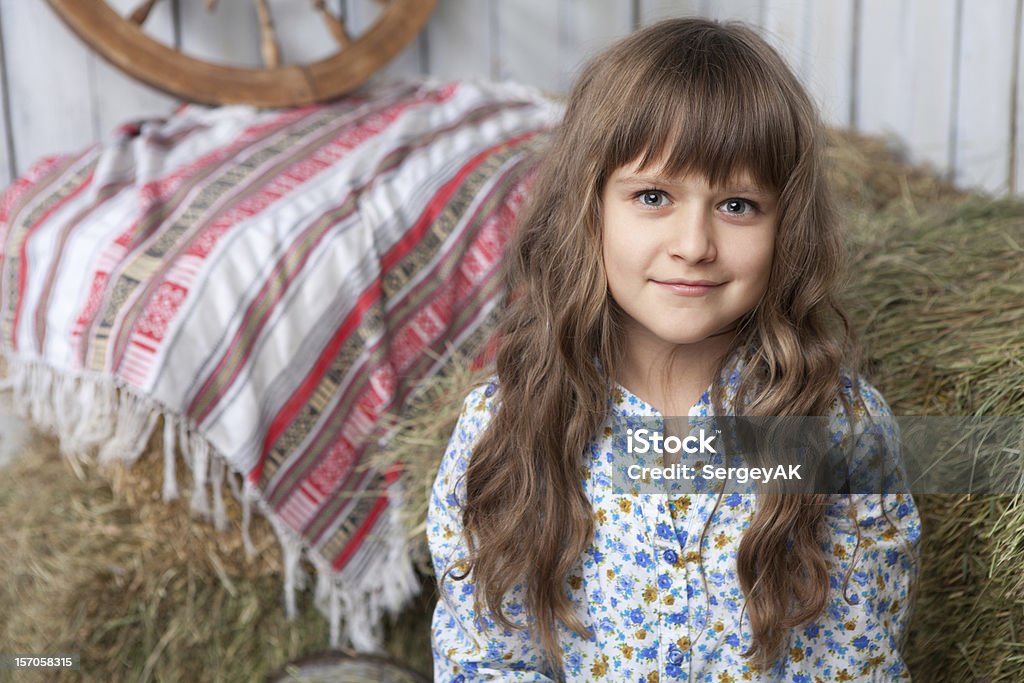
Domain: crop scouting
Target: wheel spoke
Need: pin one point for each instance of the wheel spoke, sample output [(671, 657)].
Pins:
[(162, 66), (269, 47), (141, 13), (335, 24)]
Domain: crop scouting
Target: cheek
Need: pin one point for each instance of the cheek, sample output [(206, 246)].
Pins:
[(758, 255)]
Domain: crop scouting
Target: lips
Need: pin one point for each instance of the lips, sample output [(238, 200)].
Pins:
[(687, 287), (691, 283)]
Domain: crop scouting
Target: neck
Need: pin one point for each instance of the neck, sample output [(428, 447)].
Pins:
[(671, 377)]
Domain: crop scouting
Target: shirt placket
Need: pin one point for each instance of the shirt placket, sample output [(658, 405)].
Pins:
[(671, 576)]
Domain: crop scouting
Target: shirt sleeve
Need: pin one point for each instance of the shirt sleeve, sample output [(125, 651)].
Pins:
[(466, 649), (873, 549)]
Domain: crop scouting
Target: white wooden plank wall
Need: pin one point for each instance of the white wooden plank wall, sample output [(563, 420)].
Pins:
[(943, 78), (7, 165), (983, 123)]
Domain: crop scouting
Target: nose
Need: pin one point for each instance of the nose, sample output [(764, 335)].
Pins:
[(693, 234)]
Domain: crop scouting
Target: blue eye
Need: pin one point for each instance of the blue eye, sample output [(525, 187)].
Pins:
[(652, 198), (738, 207)]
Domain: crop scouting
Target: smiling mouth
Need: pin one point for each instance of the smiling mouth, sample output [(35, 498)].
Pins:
[(688, 287)]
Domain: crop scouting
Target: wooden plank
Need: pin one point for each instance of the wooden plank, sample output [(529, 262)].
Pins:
[(528, 43), (1018, 162), (459, 39), (905, 75), (304, 35), (786, 28), (653, 10), (589, 26), (49, 84), (409, 63), (829, 76), (229, 35), (7, 160), (118, 98), (747, 11), (983, 126)]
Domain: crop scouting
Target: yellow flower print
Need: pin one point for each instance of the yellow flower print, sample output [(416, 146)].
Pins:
[(850, 625), (721, 540), (652, 677), (683, 643), (575, 582), (627, 651), (650, 594), (600, 667), (625, 504), (796, 654), (839, 551), (670, 599), (641, 634), (719, 627), (725, 678), (601, 516)]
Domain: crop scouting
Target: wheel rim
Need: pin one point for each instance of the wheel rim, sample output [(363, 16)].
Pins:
[(130, 49)]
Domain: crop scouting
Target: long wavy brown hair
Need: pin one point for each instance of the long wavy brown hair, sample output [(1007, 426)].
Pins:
[(696, 96)]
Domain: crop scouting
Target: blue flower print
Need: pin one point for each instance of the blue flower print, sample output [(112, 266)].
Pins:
[(636, 601)]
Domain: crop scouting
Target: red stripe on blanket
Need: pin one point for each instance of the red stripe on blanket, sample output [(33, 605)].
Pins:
[(23, 257), (277, 188), (356, 540), (411, 238), (332, 473), (366, 300), (302, 393)]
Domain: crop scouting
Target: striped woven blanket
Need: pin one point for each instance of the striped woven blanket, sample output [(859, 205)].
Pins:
[(270, 284)]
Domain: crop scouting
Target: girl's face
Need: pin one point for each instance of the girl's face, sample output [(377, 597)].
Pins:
[(683, 259)]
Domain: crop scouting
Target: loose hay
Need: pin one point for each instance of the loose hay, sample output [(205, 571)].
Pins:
[(139, 588), (937, 286), (143, 592)]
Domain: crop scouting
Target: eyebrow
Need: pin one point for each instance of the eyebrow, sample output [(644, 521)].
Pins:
[(643, 180)]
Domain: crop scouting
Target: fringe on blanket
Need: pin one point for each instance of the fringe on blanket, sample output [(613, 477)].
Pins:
[(95, 419)]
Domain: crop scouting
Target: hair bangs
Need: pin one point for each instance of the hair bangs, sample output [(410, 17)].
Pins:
[(708, 110)]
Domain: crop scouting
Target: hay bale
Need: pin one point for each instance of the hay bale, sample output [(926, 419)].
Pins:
[(103, 567), (136, 586), (936, 289), (142, 590)]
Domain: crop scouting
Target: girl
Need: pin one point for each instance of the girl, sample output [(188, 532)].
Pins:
[(679, 256)]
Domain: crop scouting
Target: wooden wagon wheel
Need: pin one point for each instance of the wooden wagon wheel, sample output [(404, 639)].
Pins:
[(121, 40)]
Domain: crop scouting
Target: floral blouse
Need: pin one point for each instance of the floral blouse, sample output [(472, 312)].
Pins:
[(659, 611)]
